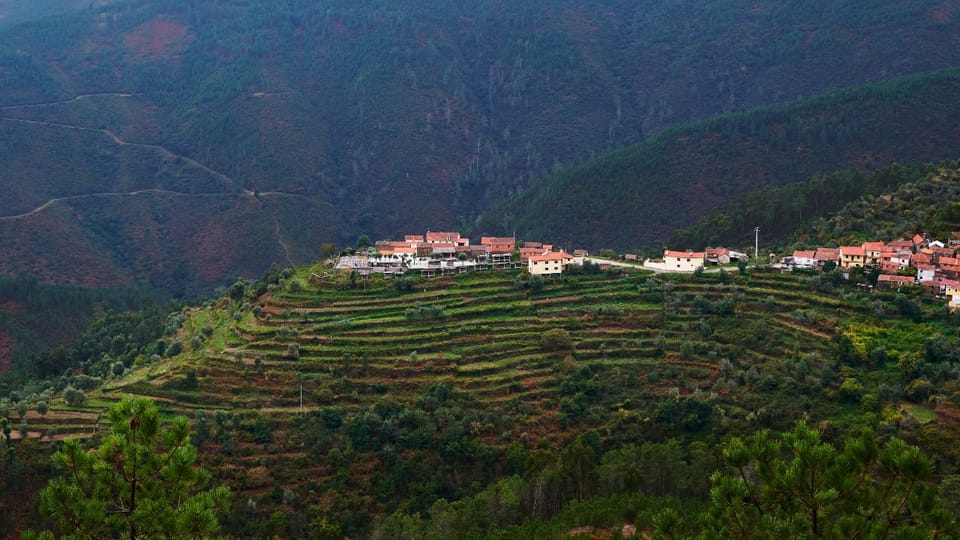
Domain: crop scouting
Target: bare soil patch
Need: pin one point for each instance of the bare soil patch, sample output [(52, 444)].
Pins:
[(158, 38)]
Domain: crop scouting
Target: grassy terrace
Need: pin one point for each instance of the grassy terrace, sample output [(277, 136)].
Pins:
[(465, 359)]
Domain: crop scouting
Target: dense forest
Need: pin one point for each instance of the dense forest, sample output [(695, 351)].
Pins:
[(781, 211), (844, 208), (269, 128), (643, 193), (35, 317)]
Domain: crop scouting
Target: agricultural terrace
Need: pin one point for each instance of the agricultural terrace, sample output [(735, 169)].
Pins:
[(350, 394)]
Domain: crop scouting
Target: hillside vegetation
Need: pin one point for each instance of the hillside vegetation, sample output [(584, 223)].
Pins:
[(783, 212), (928, 205), (36, 318), (635, 196), (327, 402), (267, 128)]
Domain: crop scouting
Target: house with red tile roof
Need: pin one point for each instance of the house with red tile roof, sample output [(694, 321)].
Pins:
[(926, 272), (684, 261), (825, 254), (805, 258), (446, 238), (581, 253), (887, 282), (889, 267), (936, 287), (944, 252), (851, 256), (497, 244), (921, 259), (551, 262), (527, 252), (871, 253), (950, 266), (901, 244), (718, 255), (389, 247), (952, 292)]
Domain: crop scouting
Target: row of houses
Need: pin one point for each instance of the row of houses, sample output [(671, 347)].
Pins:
[(446, 253), (918, 261)]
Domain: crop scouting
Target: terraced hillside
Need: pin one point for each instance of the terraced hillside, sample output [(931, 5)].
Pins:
[(338, 402)]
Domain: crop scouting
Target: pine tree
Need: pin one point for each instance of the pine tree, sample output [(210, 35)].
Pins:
[(140, 482)]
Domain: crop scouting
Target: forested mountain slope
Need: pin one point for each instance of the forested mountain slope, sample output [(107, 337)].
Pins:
[(784, 213), (326, 405), (638, 195), (371, 116)]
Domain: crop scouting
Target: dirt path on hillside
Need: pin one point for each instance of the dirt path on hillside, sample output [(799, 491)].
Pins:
[(116, 139), (230, 182), (286, 248), (66, 101), (56, 200), (804, 329)]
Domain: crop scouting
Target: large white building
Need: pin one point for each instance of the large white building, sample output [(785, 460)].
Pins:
[(683, 261), (551, 262)]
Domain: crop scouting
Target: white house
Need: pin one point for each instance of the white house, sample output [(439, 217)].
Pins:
[(683, 261), (550, 262), (926, 272), (804, 259)]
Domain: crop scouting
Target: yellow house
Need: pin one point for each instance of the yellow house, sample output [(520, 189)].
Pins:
[(550, 262), (683, 261), (953, 295), (852, 256), (872, 252)]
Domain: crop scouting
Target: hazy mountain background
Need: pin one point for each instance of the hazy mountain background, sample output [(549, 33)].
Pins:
[(192, 142)]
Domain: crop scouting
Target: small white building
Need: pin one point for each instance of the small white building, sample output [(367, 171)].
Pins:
[(926, 272), (805, 259), (551, 262), (684, 261)]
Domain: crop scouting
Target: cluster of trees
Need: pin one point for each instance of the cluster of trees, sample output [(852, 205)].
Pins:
[(141, 482), (781, 211), (49, 315), (733, 155), (796, 485)]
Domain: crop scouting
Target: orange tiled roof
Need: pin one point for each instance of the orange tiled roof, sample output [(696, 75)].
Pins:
[(551, 256), (684, 254), (827, 254)]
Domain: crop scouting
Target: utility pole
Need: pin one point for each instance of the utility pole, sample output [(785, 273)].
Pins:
[(756, 245)]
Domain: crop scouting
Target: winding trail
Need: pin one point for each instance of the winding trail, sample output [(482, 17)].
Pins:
[(116, 139), (56, 200), (235, 188), (66, 101), (286, 248)]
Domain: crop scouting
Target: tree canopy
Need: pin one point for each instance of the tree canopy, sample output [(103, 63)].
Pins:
[(141, 482), (803, 487)]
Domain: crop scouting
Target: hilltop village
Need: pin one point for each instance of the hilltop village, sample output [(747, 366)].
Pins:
[(915, 262), (449, 253)]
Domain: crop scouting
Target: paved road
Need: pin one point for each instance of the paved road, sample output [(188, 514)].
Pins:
[(642, 267)]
